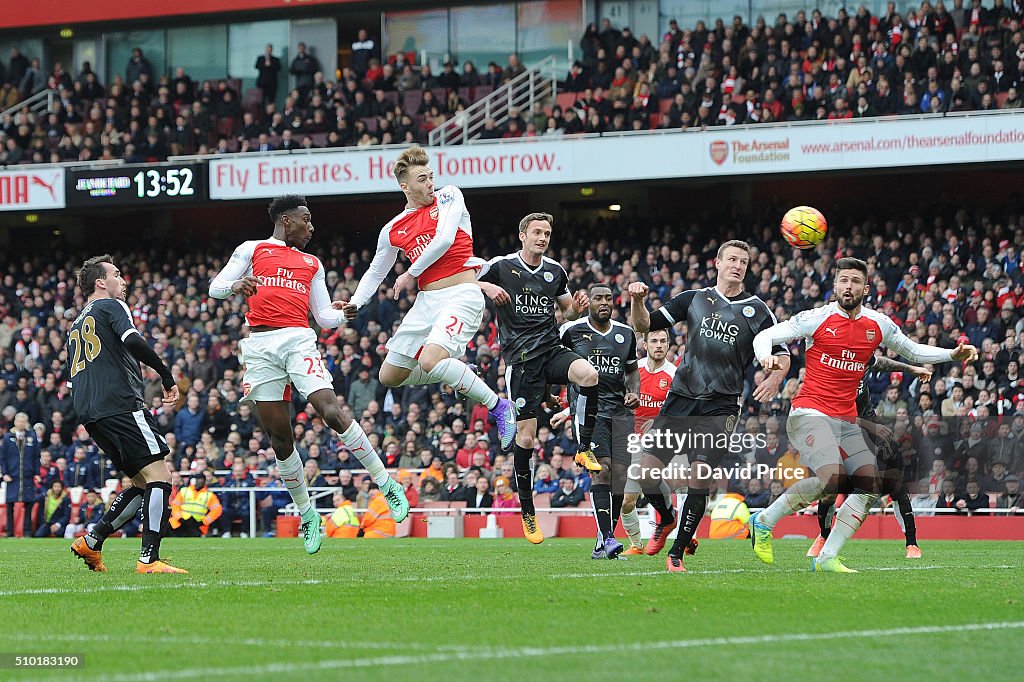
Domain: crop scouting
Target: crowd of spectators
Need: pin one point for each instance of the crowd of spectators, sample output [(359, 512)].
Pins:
[(928, 59), (147, 116), (943, 274)]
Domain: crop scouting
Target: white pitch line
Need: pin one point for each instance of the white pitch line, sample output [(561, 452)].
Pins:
[(220, 584), (245, 641), (488, 653)]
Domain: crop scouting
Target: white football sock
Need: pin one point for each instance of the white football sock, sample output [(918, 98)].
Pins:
[(800, 495), (417, 377), (631, 522), (295, 480), (359, 445), (456, 374), (848, 519)]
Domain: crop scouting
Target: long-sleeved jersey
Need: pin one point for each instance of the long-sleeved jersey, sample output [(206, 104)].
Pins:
[(292, 284)]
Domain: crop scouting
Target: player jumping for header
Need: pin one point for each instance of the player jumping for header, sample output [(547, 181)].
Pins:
[(436, 234), (283, 285)]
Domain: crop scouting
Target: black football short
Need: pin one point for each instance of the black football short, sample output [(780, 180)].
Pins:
[(130, 439), (611, 439), (527, 382), (697, 416)]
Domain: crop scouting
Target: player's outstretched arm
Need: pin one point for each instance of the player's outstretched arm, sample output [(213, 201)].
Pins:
[(574, 306), (767, 389), (236, 277), (884, 364), (895, 339), (801, 325), (324, 311), (142, 352), (638, 307), (379, 268)]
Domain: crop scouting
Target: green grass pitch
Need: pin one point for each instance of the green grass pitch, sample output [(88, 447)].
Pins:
[(507, 610)]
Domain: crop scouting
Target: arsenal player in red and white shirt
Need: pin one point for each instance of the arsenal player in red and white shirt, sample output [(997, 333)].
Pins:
[(436, 234), (283, 285), (656, 374), (840, 339)]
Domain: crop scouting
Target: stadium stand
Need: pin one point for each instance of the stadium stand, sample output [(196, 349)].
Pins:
[(939, 283), (925, 60)]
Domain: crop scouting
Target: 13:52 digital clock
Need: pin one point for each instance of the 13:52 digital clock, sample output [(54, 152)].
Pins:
[(136, 185)]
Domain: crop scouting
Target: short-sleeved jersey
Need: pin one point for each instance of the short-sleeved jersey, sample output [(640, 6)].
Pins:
[(654, 386), (720, 335), (105, 377), (526, 326), (613, 355), (838, 350), (286, 276)]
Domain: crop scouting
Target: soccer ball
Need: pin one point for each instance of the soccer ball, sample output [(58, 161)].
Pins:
[(803, 227)]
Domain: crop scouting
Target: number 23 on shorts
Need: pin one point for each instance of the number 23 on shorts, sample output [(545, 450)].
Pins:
[(315, 366)]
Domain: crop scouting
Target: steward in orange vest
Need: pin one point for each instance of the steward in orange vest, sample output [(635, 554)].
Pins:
[(194, 509), (377, 521), (343, 522)]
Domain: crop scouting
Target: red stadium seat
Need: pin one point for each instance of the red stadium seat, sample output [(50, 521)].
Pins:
[(226, 127), (566, 99), (1001, 98), (252, 102), (413, 99)]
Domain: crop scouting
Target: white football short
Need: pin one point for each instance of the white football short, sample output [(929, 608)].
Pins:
[(448, 317), (823, 440), (275, 360)]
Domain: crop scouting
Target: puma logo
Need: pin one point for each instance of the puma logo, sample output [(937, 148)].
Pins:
[(831, 331), (516, 273), (36, 180), (711, 299), (588, 337), (405, 231)]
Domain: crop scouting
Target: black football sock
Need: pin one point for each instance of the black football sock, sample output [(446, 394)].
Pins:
[(663, 506), (689, 518), (601, 498), (906, 512), (826, 512), (586, 405), (522, 460), (156, 511), (122, 510), (616, 509)]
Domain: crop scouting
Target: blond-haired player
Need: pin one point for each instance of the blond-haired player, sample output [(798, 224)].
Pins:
[(436, 234)]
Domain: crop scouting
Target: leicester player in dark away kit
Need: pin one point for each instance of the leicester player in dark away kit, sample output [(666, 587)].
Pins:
[(707, 389), (103, 354), (610, 346), (526, 286)]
